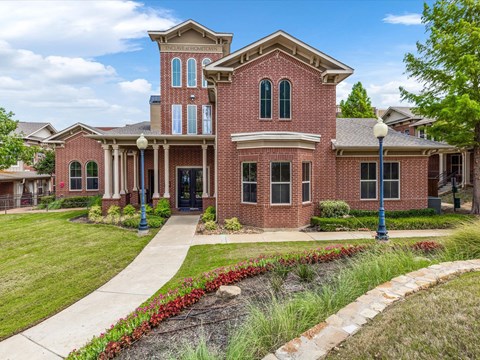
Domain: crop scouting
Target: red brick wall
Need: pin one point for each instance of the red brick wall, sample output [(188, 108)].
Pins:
[(81, 149), (413, 183), (313, 111), (181, 95)]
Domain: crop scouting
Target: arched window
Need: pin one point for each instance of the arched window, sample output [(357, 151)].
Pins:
[(285, 96), (265, 99), (75, 175), (191, 72), (92, 175), (205, 62), (176, 72)]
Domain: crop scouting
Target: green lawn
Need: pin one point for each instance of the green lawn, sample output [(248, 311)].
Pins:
[(48, 263), (443, 322)]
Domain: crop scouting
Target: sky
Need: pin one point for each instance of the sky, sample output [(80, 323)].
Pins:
[(65, 62)]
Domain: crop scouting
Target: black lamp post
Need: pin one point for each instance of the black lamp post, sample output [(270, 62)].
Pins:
[(380, 130), (142, 144)]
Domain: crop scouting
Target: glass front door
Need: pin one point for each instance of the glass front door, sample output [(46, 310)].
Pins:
[(190, 188)]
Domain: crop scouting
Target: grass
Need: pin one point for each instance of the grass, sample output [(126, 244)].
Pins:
[(443, 322), (465, 196), (464, 243), (49, 263)]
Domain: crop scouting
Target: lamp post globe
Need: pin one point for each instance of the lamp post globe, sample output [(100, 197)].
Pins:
[(380, 131), (142, 144)]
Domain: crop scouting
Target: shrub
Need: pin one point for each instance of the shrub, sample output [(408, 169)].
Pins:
[(210, 225), (233, 224), (75, 201), (209, 214), (113, 210), (333, 208), (395, 214), (131, 222), (305, 272), (129, 210), (464, 243), (163, 208), (148, 209), (95, 213), (55, 205), (45, 200), (155, 221), (94, 201)]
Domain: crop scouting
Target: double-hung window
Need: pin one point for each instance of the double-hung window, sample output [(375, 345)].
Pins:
[(249, 182), (191, 72), (75, 175), (391, 177), (207, 119), (368, 180), (280, 180), (176, 119), (92, 175), (176, 72), (265, 99), (306, 181), (191, 119)]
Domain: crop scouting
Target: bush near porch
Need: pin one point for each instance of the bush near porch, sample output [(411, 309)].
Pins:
[(447, 221)]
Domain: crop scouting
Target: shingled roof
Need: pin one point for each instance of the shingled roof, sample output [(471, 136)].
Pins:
[(358, 133), (133, 129)]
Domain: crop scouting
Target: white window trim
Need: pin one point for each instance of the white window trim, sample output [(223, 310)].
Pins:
[(188, 77), (309, 182), (91, 177), (75, 177), (248, 182), (399, 177), (376, 180), (260, 100), (173, 120), (188, 120), (171, 69), (203, 120), (204, 81), (279, 100), (280, 183)]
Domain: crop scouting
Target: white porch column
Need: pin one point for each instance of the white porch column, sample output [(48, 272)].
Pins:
[(125, 172), (108, 168), (156, 194), (441, 164), (464, 169), (204, 170), (166, 154), (467, 168), (215, 182), (35, 192), (116, 180), (135, 171), (122, 172)]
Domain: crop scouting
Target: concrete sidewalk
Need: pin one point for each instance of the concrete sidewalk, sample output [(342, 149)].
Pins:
[(55, 337), (159, 261)]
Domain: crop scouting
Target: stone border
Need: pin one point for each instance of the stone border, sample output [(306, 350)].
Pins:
[(322, 338)]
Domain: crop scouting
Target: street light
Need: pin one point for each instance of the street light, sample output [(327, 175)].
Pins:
[(380, 130), (142, 144)]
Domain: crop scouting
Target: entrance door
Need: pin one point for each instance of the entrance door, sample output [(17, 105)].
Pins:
[(190, 188)]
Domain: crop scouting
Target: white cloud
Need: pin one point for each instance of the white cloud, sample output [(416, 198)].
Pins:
[(407, 19), (139, 85), (79, 28), (388, 94)]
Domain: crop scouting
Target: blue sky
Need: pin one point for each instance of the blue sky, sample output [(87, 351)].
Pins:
[(92, 61)]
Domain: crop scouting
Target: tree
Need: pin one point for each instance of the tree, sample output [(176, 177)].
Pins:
[(448, 67), (358, 103), (12, 146), (46, 165)]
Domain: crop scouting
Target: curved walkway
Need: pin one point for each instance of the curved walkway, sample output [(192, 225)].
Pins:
[(159, 261), (318, 341)]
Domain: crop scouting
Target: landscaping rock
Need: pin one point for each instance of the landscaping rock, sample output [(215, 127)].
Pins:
[(228, 292)]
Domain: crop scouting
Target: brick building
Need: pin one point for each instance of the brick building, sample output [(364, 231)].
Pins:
[(253, 132)]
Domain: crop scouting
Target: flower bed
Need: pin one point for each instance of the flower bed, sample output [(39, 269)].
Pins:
[(163, 306)]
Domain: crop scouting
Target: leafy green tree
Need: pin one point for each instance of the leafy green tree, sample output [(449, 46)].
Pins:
[(12, 146), (448, 67), (358, 104), (46, 165)]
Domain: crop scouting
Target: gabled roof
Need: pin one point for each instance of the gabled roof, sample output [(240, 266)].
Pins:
[(405, 113), (358, 133), (332, 70), (133, 129), (28, 129), (75, 128)]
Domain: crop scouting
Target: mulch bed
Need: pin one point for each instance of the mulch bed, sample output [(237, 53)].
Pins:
[(213, 319)]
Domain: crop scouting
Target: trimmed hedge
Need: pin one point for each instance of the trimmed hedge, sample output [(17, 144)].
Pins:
[(333, 208), (395, 214), (409, 223)]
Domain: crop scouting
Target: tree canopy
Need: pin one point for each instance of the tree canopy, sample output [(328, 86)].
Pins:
[(46, 164), (358, 104), (448, 67), (12, 146)]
